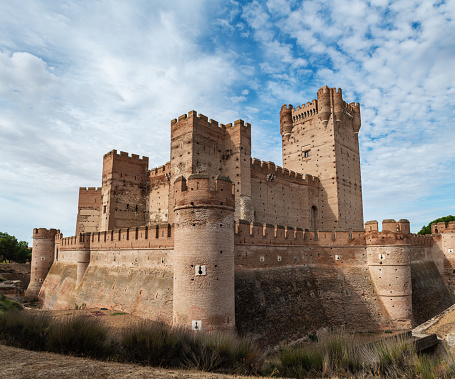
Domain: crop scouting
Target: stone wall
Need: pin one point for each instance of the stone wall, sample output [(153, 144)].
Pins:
[(430, 296), (117, 281), (283, 304)]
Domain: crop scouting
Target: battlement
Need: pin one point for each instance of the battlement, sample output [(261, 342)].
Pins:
[(256, 233), (394, 233), (45, 233), (160, 170), (269, 168), (203, 120), (441, 227), (89, 189), (305, 111), (143, 237), (196, 192), (124, 155)]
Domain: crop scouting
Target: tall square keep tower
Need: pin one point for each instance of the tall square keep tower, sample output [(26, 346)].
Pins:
[(321, 139)]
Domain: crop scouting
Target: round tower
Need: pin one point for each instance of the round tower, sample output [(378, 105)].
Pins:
[(324, 108), (389, 262), (83, 256), (338, 104), (356, 122), (204, 296), (42, 258), (286, 120)]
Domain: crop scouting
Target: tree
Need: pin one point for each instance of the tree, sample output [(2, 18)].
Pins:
[(427, 229), (13, 250)]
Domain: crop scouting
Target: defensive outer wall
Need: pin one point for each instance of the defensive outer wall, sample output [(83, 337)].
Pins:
[(287, 282), (217, 240)]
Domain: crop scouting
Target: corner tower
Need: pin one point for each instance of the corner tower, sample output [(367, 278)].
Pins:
[(321, 139), (204, 297), (42, 258)]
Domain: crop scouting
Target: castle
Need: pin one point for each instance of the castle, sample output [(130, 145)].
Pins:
[(217, 240)]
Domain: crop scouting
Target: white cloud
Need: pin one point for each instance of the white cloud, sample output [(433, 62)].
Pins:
[(79, 79)]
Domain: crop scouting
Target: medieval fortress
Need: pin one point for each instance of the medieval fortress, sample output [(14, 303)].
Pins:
[(217, 240)]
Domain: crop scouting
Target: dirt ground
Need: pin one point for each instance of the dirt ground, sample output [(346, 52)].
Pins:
[(25, 364), (444, 326)]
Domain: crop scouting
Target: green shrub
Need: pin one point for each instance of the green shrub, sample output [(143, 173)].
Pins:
[(152, 344), (158, 344), (24, 329), (221, 353), (6, 304), (80, 335)]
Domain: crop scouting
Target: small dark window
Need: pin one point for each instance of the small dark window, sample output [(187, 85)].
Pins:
[(104, 209), (306, 153)]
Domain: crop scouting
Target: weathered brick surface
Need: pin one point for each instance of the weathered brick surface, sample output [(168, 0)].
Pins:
[(142, 290), (123, 191), (429, 294), (321, 138), (204, 237), (279, 304), (89, 210), (42, 258)]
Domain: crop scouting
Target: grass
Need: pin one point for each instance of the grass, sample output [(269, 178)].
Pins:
[(6, 304), (118, 313), (336, 354), (81, 336), (339, 354), (147, 343)]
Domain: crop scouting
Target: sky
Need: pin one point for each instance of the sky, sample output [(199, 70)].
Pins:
[(80, 78)]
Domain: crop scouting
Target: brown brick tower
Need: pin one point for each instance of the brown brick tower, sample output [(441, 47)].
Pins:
[(42, 258), (321, 139), (124, 191), (201, 145), (204, 254), (389, 261)]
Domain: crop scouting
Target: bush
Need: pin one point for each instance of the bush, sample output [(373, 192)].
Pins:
[(334, 354), (6, 304), (222, 353), (80, 335), (158, 344), (152, 344), (24, 329)]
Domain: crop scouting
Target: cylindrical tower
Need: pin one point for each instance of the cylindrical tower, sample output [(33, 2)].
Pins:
[(83, 257), (204, 296), (389, 262), (356, 122), (324, 108), (338, 104), (42, 258), (286, 120)]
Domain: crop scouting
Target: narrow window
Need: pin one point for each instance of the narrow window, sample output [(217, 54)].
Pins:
[(306, 153), (104, 209)]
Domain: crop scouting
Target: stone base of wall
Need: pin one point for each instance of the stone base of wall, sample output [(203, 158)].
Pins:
[(146, 292), (430, 296), (283, 304)]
